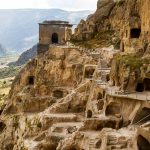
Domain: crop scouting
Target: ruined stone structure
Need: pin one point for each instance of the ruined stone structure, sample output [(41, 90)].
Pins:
[(53, 32), (70, 98)]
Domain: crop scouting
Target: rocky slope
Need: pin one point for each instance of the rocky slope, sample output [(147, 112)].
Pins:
[(72, 98), (25, 57)]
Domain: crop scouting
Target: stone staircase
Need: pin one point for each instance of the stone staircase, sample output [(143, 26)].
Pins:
[(103, 70), (114, 143), (91, 144)]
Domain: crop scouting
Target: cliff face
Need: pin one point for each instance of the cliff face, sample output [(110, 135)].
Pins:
[(71, 98), (114, 22)]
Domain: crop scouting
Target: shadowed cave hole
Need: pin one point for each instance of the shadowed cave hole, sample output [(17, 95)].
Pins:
[(89, 73), (140, 87), (2, 126), (89, 114), (9, 146), (107, 124), (98, 143), (58, 94), (142, 143), (147, 84), (135, 33), (31, 80), (107, 77), (1, 112), (112, 109)]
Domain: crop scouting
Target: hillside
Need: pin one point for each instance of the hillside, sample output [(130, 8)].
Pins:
[(25, 57), (91, 94), (21, 26)]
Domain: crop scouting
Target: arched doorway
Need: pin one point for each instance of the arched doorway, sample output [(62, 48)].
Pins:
[(89, 114), (54, 38)]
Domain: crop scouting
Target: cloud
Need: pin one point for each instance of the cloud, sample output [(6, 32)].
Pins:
[(62, 4)]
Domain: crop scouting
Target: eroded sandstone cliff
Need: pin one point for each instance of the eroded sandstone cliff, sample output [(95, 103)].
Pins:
[(71, 98)]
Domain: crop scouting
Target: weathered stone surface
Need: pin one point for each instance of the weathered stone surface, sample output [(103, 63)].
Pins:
[(72, 99)]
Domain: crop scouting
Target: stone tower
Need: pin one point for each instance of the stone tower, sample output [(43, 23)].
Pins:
[(53, 32)]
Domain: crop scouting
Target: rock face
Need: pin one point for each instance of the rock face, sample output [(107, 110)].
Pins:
[(72, 99), (124, 23)]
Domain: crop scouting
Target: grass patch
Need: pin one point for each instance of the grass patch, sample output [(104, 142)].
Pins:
[(132, 60), (9, 72), (101, 39)]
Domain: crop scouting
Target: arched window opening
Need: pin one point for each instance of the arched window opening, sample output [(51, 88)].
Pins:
[(54, 38)]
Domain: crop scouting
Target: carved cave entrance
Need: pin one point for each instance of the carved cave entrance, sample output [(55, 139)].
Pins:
[(31, 80), (58, 94), (2, 126), (112, 109), (135, 33), (54, 38), (140, 87), (142, 143), (147, 84), (89, 72), (89, 114)]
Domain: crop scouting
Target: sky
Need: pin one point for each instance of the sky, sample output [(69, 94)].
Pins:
[(62, 4)]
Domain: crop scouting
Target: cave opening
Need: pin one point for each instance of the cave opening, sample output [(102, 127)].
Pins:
[(89, 114), (147, 84), (140, 87), (107, 77), (112, 109), (135, 33), (143, 144), (2, 126), (89, 73), (58, 94), (98, 144), (1, 111), (31, 80)]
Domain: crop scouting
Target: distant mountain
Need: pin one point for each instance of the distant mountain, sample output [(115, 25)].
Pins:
[(19, 28), (25, 57)]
